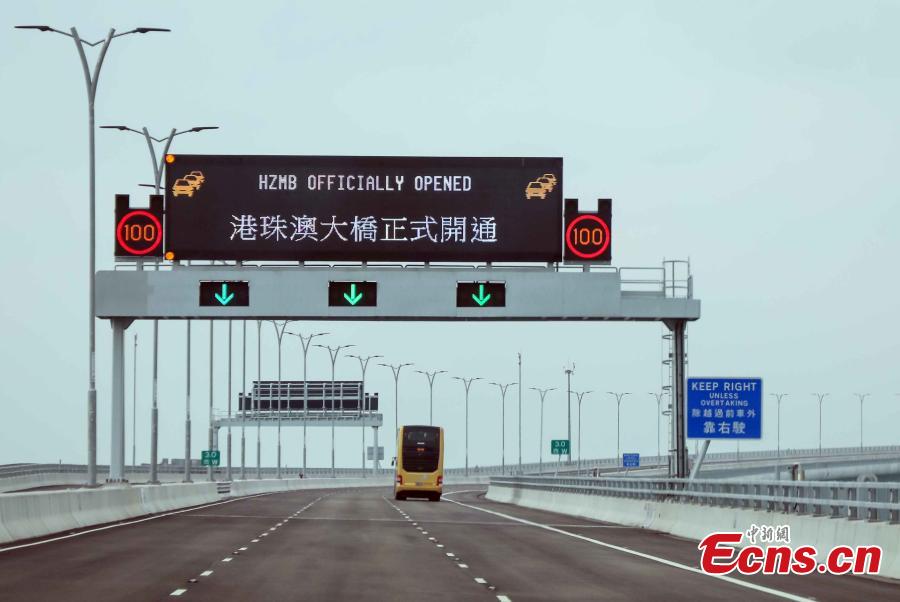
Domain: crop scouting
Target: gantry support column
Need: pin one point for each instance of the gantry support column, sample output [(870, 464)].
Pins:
[(680, 459), (117, 430)]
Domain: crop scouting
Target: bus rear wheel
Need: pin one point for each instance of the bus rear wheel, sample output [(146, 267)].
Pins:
[(400, 496), (435, 497)]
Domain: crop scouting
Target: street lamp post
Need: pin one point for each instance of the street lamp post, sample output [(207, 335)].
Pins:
[(569, 372), (90, 80), (258, 399), (187, 410), (659, 397), (862, 398), (333, 352), (619, 397), (519, 387), (363, 364), (210, 470), (304, 344), (395, 368), (821, 397), (430, 376), (580, 396), (503, 389), (542, 393), (243, 400), (467, 382), (778, 397), (134, 405), (279, 332)]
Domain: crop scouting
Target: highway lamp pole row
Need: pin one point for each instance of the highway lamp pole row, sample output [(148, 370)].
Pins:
[(543, 394), (91, 79), (431, 376), (467, 382), (363, 364), (333, 352), (304, 344), (158, 167), (503, 388)]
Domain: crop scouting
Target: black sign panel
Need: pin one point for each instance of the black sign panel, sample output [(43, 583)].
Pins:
[(352, 294), (363, 208), (224, 293), (139, 232), (588, 236), (480, 294)]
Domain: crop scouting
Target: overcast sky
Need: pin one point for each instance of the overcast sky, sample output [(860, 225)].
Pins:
[(758, 139)]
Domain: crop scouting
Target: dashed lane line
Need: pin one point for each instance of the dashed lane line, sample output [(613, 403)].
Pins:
[(678, 565), (178, 592), (206, 573), (127, 523)]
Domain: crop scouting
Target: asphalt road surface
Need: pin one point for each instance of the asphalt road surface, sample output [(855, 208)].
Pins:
[(360, 544)]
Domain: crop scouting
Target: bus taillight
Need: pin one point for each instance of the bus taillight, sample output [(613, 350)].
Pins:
[(440, 480), (399, 479)]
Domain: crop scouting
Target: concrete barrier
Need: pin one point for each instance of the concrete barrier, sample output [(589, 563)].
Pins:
[(694, 521)]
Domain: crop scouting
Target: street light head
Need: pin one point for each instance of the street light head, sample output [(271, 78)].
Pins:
[(204, 127), (38, 27), (123, 128), (149, 29)]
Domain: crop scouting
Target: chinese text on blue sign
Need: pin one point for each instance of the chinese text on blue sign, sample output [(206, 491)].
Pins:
[(724, 408), (631, 460)]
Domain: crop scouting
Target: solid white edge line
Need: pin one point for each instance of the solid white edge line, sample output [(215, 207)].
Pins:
[(747, 584), (132, 522)]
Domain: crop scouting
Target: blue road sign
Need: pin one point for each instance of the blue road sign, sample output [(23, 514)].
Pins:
[(724, 408), (631, 460)]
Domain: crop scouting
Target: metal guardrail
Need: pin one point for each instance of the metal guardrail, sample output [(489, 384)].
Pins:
[(21, 469), (836, 499)]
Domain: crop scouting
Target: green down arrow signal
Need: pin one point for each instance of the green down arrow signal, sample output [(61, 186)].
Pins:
[(225, 297), (354, 297), (481, 298)]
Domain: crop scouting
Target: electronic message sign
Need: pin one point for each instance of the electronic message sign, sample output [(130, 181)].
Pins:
[(302, 208), (352, 294), (139, 232), (224, 293), (588, 236), (481, 294)]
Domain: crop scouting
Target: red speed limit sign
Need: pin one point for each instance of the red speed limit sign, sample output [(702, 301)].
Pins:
[(139, 232), (588, 235)]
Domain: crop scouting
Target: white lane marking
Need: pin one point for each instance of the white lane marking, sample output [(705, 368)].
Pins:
[(504, 599), (271, 528), (206, 573), (254, 541), (747, 584), (264, 535), (451, 554), (178, 592), (226, 559), (424, 532), (463, 566), (242, 549), (480, 580), (431, 539), (440, 545), (131, 522)]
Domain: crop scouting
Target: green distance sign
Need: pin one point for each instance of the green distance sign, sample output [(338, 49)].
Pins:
[(559, 447), (210, 457)]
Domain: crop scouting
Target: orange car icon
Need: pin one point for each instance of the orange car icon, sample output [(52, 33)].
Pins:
[(536, 190), (193, 181), (202, 179), (549, 176), (183, 187)]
